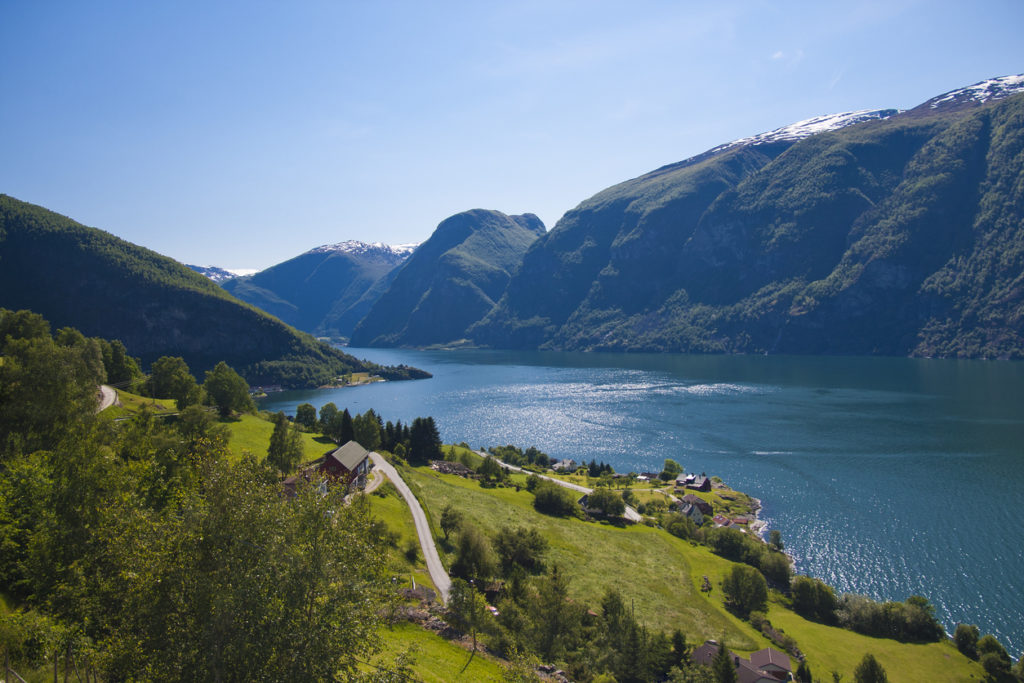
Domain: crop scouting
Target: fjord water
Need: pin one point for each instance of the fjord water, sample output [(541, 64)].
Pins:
[(886, 476)]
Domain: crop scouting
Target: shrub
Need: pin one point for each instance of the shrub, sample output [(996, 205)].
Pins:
[(552, 499), (966, 639)]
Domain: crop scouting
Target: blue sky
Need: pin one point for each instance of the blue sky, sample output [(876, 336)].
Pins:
[(241, 134)]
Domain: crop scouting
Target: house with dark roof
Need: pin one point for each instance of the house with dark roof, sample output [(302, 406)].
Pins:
[(746, 670), (700, 483), (773, 662), (702, 505), (348, 465)]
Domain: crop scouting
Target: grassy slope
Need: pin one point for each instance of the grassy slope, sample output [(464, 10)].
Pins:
[(662, 575), (437, 660), (660, 578)]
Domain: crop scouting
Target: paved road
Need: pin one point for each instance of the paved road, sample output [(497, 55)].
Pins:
[(108, 395), (630, 514), (437, 573)]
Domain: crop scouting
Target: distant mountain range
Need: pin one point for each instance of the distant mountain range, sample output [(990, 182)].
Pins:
[(82, 277), (325, 291), (871, 232)]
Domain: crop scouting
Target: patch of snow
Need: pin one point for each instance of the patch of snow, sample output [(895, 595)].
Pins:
[(992, 89), (809, 127), (215, 273), (239, 272), (399, 251)]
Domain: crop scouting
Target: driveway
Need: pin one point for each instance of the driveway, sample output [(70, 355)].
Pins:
[(437, 572)]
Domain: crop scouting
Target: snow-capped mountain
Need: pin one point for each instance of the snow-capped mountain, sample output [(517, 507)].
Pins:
[(398, 252), (808, 127), (985, 91), (220, 275)]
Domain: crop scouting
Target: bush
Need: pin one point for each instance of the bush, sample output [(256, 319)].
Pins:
[(910, 621), (776, 568), (966, 639), (552, 499), (814, 599)]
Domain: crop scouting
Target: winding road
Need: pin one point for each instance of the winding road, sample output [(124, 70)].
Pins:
[(630, 513), (438, 575), (108, 396)]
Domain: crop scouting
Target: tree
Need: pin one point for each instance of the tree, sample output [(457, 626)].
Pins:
[(122, 369), (723, 666), (489, 470), (993, 657), (607, 501), (366, 430), (814, 599), (474, 559), (670, 471), (776, 568), (305, 415), (803, 673), (22, 324), (966, 639), (228, 391), (169, 377), (450, 520), (327, 413), (424, 441), (520, 548), (46, 390), (745, 590), (869, 671), (346, 430), (285, 450), (465, 609), (775, 539)]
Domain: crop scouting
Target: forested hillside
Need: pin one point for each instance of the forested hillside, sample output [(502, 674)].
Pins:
[(897, 236), (86, 278), (451, 281)]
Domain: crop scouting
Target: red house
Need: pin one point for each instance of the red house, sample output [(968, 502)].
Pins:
[(348, 464)]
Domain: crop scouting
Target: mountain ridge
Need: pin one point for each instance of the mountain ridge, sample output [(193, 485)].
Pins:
[(790, 246), (89, 279)]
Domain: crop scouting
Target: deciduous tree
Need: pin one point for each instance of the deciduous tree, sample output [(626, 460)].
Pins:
[(228, 391)]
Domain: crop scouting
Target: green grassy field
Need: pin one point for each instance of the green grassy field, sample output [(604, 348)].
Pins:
[(388, 506), (436, 660), (658, 577), (252, 433), (661, 576)]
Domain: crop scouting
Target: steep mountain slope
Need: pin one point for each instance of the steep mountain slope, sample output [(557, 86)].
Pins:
[(325, 291), (451, 280), (86, 278), (899, 234)]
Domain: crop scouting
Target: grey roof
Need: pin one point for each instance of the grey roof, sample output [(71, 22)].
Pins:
[(763, 658), (349, 455)]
